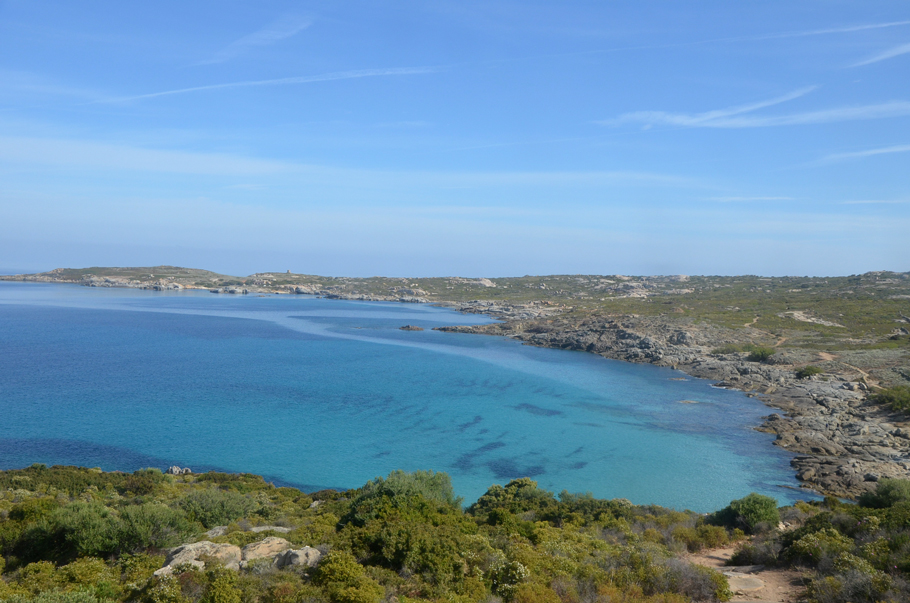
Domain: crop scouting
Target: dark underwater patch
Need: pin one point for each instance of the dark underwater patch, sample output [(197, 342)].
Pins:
[(509, 469), (475, 421), (537, 410), (466, 461)]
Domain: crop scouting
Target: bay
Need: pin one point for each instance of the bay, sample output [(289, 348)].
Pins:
[(321, 393)]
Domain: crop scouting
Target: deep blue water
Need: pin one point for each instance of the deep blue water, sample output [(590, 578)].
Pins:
[(322, 393)]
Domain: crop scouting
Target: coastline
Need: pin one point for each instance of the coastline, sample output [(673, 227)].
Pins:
[(843, 441)]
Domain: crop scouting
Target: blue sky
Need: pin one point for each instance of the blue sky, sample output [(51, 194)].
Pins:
[(473, 138)]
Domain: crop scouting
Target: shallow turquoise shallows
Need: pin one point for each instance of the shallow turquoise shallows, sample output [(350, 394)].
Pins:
[(321, 393)]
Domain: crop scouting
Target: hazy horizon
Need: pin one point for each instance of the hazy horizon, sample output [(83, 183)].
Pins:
[(479, 138)]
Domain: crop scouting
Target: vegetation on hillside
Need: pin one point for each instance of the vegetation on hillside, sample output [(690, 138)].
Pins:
[(73, 535), (897, 397)]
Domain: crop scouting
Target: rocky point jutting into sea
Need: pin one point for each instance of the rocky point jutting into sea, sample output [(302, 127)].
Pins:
[(854, 329)]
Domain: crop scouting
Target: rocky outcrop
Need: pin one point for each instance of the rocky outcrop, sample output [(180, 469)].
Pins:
[(410, 328), (270, 548), (305, 557), (277, 551), (175, 470), (197, 553)]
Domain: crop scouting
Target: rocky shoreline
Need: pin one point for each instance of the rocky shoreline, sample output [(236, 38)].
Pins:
[(844, 442)]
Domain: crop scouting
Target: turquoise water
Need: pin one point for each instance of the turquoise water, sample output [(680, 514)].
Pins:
[(323, 393)]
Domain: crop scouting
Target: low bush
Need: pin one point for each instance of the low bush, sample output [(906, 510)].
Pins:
[(887, 493), (760, 354), (817, 547), (748, 513), (808, 371), (213, 507), (897, 397)]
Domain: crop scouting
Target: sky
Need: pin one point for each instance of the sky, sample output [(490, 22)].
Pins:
[(474, 138)]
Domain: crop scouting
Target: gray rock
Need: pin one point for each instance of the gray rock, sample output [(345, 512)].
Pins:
[(305, 557)]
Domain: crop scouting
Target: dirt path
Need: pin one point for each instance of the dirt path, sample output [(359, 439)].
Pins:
[(754, 320), (753, 583)]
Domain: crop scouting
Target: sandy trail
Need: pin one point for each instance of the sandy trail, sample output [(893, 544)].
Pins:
[(754, 583)]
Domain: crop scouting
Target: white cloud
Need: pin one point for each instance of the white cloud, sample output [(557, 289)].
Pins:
[(280, 30), (748, 199), (81, 154), (888, 54), (737, 117), (876, 202), (903, 148), (307, 79), (69, 154)]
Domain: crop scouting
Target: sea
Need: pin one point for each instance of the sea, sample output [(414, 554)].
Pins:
[(317, 393)]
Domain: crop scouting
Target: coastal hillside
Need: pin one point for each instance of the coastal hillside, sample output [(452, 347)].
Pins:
[(77, 535), (830, 355)]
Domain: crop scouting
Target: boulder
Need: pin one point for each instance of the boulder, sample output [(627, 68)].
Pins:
[(228, 554), (305, 557), (269, 547)]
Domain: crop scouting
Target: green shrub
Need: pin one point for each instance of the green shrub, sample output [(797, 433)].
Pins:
[(214, 507), (221, 587), (897, 397), (144, 481), (813, 548), (345, 580), (518, 496), (748, 512), (760, 354), (428, 484), (808, 371), (32, 509), (887, 493), (152, 525), (79, 529), (55, 596)]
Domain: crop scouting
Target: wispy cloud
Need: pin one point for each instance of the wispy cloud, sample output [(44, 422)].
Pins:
[(737, 117), (706, 119), (748, 199), (888, 54), (732, 39), (33, 84), (902, 148), (280, 30), (306, 79), (876, 202), (833, 30)]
